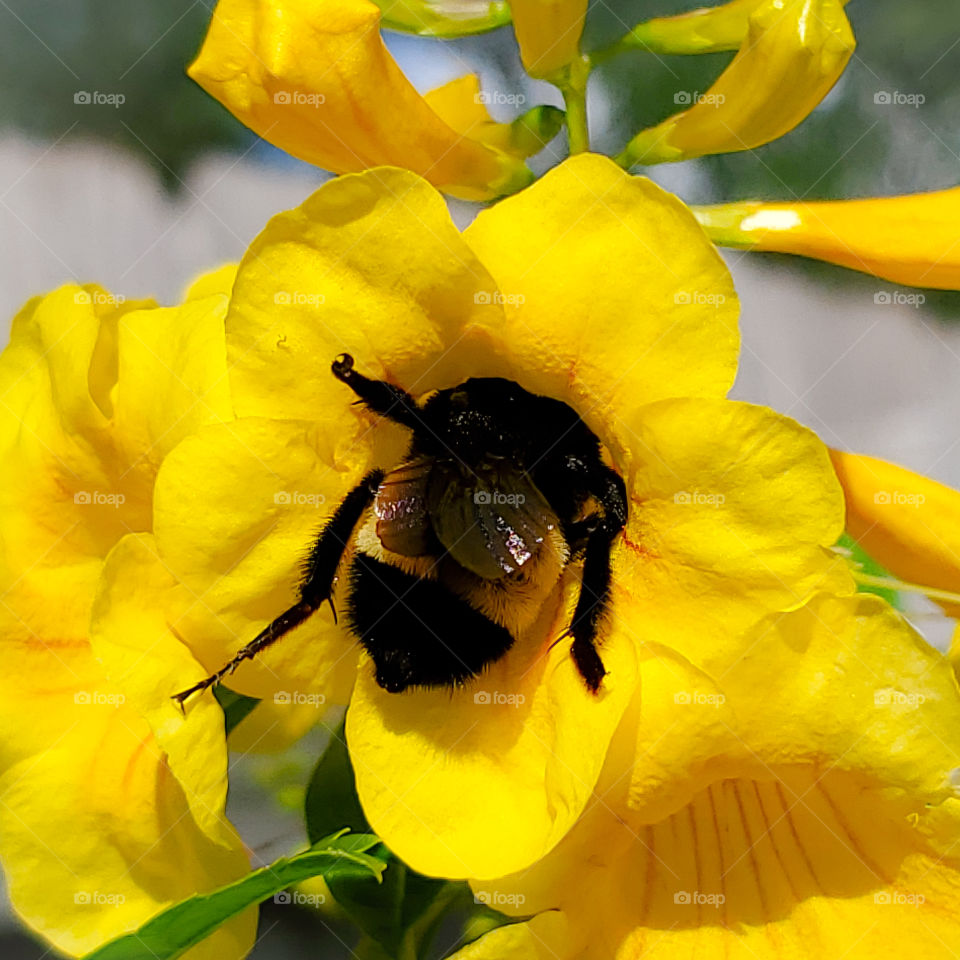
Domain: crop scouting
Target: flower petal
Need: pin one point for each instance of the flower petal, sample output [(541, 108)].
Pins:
[(461, 103), (544, 937), (841, 684), (548, 32), (910, 239), (275, 724), (219, 280), (794, 53), (732, 509), (315, 79), (97, 834), (94, 391), (481, 781), (778, 807), (370, 265), (752, 870), (132, 634), (145, 826), (662, 323), (237, 508), (907, 522)]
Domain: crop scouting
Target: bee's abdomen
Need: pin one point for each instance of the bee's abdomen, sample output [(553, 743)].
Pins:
[(417, 631)]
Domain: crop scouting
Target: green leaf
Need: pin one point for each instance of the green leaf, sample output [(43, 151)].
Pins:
[(171, 933), (443, 18), (332, 802), (235, 706)]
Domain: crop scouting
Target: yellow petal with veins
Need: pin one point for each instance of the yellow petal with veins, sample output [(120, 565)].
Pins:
[(793, 800)]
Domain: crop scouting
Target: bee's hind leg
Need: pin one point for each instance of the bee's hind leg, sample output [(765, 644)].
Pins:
[(594, 595)]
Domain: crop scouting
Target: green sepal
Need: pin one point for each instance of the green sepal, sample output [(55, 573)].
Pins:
[(533, 130), (443, 18)]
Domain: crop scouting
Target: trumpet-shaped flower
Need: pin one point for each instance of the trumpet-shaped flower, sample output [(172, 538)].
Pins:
[(315, 79), (910, 239), (904, 520), (731, 506), (794, 52), (792, 796), (112, 802)]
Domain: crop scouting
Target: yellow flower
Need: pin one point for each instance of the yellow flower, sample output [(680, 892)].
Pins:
[(315, 79), (731, 509), (793, 795), (910, 239), (112, 802), (794, 52), (907, 522), (548, 32)]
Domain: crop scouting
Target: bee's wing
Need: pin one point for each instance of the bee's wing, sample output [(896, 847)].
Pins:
[(403, 523), (492, 523)]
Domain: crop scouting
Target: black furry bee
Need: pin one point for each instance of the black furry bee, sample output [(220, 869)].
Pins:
[(498, 491)]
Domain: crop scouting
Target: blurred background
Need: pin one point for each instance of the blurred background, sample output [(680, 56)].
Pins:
[(142, 196)]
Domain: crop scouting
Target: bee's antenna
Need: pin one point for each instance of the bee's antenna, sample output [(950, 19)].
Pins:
[(379, 396)]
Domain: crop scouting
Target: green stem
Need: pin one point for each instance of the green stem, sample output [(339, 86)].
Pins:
[(573, 85), (890, 583)]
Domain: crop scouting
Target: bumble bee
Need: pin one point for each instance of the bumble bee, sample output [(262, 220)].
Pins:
[(448, 554)]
